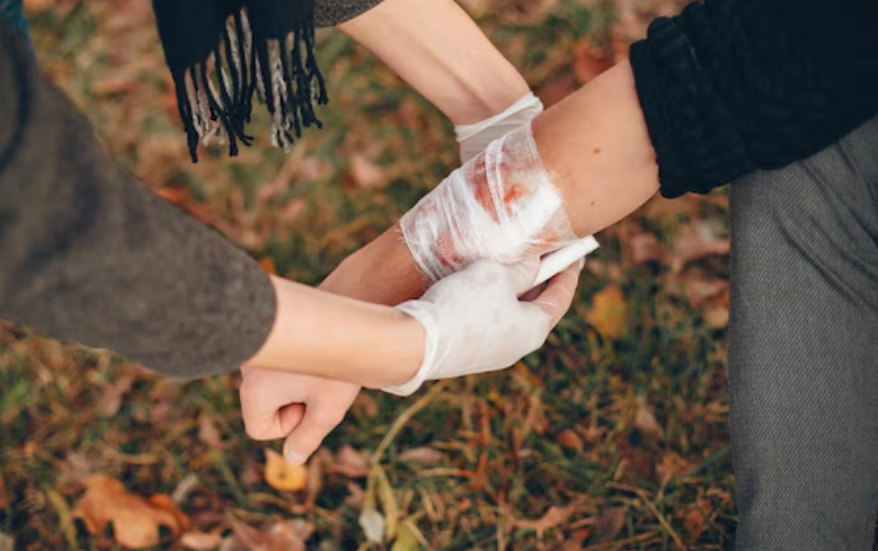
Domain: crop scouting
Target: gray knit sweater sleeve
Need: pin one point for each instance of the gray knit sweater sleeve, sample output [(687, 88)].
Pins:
[(90, 255), (332, 12)]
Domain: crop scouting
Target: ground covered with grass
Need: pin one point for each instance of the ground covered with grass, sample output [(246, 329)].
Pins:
[(612, 437)]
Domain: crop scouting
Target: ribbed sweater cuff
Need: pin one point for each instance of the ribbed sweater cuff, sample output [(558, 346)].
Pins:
[(694, 135)]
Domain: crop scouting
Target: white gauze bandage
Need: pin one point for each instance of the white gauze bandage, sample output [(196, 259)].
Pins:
[(501, 206)]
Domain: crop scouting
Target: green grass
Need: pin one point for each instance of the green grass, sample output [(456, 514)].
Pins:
[(509, 453)]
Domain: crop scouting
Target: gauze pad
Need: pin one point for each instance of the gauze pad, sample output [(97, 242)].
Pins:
[(501, 206)]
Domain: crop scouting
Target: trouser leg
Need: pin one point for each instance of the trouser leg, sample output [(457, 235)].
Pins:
[(803, 350)]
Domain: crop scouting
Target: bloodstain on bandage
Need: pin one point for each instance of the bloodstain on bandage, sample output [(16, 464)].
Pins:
[(501, 205)]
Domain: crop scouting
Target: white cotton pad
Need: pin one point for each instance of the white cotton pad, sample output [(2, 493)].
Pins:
[(556, 262)]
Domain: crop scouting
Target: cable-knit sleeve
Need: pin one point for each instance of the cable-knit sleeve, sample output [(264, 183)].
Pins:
[(729, 86)]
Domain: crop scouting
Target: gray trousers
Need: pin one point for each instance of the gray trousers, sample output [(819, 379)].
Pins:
[(803, 351)]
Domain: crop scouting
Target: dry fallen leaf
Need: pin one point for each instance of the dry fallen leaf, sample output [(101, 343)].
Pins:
[(671, 466), (289, 535), (555, 516), (423, 455), (607, 525), (6, 543), (693, 523), (696, 241), (643, 247), (589, 60), (4, 495), (609, 312), (700, 289), (135, 519), (280, 474), (366, 174), (717, 317), (646, 424), (569, 439), (208, 432), (349, 462), (522, 12), (111, 400), (200, 541)]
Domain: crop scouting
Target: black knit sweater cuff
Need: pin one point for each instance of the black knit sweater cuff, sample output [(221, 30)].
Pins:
[(694, 135)]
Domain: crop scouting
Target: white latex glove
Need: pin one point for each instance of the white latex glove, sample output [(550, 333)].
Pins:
[(473, 138), (475, 322)]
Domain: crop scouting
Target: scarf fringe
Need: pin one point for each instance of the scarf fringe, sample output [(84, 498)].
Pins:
[(215, 97)]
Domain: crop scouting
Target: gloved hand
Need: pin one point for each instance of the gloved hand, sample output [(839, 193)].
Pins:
[(475, 322), (473, 138)]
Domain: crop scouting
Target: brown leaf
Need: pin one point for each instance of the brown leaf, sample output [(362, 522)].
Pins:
[(696, 241), (267, 265), (294, 532), (717, 317), (523, 12), (349, 462), (645, 423), (569, 439), (557, 88), (366, 174), (576, 539), (589, 60), (693, 523), (4, 495), (608, 524), (555, 516), (111, 400), (283, 536), (282, 475), (642, 248), (6, 543), (208, 433), (475, 7), (423, 455), (609, 312), (135, 520), (200, 541), (671, 466), (699, 290)]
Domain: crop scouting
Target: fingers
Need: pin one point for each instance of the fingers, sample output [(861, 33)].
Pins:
[(533, 293), (522, 274), (321, 417), (289, 418), (559, 294), (267, 415)]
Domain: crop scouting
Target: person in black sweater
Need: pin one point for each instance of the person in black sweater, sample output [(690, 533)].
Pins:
[(776, 96)]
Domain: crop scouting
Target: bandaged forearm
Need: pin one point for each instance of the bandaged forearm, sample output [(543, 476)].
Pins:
[(501, 205)]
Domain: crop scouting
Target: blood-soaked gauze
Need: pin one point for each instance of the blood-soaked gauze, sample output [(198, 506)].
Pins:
[(501, 205)]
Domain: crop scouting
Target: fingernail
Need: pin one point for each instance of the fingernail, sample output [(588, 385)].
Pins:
[(294, 457)]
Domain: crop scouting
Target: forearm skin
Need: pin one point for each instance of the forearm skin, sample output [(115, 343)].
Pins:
[(435, 46), (597, 149)]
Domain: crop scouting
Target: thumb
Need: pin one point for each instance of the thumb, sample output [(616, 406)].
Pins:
[(523, 274), (559, 294), (321, 417)]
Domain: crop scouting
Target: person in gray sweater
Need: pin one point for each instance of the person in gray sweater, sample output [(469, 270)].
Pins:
[(90, 255)]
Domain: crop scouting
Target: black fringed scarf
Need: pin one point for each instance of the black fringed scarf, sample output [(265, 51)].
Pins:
[(221, 52)]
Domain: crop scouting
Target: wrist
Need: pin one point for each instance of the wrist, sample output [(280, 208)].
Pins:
[(322, 334), (382, 272), (412, 337)]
